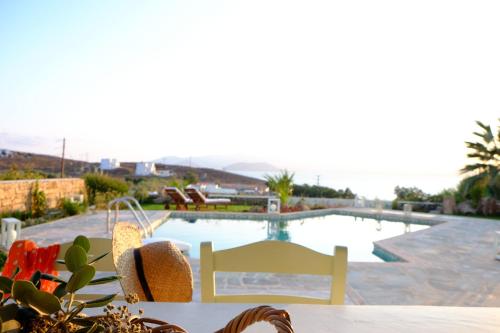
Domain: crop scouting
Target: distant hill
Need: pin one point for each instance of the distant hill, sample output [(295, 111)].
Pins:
[(45, 163), (208, 161), (244, 166), (73, 168)]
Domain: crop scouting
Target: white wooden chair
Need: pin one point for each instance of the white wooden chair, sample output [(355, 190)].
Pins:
[(272, 257), (98, 246)]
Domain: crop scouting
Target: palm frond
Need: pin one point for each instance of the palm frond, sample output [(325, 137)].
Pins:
[(487, 136), (469, 182), (480, 156), (474, 167)]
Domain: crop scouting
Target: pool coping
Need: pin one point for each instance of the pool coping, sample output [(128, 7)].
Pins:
[(379, 250), (384, 215)]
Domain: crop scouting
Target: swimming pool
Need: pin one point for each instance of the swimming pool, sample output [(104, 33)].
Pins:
[(318, 233)]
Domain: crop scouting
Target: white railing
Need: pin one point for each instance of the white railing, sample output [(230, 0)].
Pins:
[(148, 230)]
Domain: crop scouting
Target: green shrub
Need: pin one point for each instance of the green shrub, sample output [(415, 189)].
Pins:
[(315, 191), (16, 214), (38, 202), (15, 174), (71, 208), (105, 185)]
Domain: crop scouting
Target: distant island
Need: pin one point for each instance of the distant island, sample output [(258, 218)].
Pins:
[(247, 166)]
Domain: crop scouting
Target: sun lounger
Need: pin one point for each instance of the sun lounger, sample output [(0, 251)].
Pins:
[(180, 200), (199, 199)]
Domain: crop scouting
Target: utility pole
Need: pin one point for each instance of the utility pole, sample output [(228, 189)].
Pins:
[(317, 180), (62, 158)]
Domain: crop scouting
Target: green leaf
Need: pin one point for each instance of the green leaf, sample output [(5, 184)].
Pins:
[(83, 322), (80, 278), (44, 302), (104, 280), (83, 242), (98, 258), (100, 301), (22, 291), (50, 277), (35, 278), (14, 273), (93, 329), (5, 284), (76, 310), (75, 258), (8, 312), (60, 290)]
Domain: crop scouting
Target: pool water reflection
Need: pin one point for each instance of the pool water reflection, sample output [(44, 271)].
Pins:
[(319, 233)]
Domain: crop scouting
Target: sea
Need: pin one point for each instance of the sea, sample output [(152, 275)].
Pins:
[(368, 186)]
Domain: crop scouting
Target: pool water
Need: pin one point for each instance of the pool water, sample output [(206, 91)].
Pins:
[(318, 233)]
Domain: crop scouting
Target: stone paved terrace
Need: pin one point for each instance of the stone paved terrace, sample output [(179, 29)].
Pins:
[(90, 225), (451, 263)]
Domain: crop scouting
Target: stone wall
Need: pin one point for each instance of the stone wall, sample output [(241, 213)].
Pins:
[(15, 195)]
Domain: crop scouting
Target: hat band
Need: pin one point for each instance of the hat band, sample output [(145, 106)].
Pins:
[(142, 276)]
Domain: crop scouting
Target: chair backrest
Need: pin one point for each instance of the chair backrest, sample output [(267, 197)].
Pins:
[(195, 195), (98, 246), (176, 195), (272, 257)]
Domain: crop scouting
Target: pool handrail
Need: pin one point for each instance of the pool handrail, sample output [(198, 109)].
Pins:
[(127, 200)]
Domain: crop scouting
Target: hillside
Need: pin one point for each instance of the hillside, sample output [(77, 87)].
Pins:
[(44, 163), (74, 168)]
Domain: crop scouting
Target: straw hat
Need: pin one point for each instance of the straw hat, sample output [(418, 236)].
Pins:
[(155, 272)]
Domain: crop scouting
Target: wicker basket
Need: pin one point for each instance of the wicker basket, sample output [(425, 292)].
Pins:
[(280, 319)]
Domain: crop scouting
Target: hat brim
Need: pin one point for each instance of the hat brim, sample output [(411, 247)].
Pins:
[(126, 238)]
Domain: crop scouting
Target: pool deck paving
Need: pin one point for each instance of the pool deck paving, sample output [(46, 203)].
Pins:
[(90, 225), (450, 264)]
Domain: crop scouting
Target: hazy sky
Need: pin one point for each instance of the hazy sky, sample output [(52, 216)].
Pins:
[(353, 86)]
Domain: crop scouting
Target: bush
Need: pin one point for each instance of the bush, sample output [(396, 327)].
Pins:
[(104, 185), (316, 191), (17, 214), (410, 194), (38, 202), (71, 208), (15, 174)]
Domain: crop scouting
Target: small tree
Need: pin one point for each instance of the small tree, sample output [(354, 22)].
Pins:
[(102, 184), (190, 178), (38, 201), (282, 184), (486, 155)]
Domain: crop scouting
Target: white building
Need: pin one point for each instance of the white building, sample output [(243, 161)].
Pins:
[(164, 173), (109, 163), (145, 169)]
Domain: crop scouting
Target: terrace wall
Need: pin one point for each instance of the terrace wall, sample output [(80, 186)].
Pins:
[(15, 195)]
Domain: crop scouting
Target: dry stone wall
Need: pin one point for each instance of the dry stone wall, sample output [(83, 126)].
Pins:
[(15, 195)]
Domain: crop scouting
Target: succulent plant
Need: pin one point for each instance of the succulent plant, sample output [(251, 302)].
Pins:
[(25, 307)]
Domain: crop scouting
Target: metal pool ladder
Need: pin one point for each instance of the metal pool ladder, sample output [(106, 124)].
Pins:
[(140, 218)]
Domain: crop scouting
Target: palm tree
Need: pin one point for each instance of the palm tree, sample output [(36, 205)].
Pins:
[(486, 154), (282, 184)]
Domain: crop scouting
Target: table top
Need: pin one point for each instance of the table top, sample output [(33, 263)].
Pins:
[(199, 317)]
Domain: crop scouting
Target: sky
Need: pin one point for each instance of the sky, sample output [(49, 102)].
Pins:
[(369, 88)]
